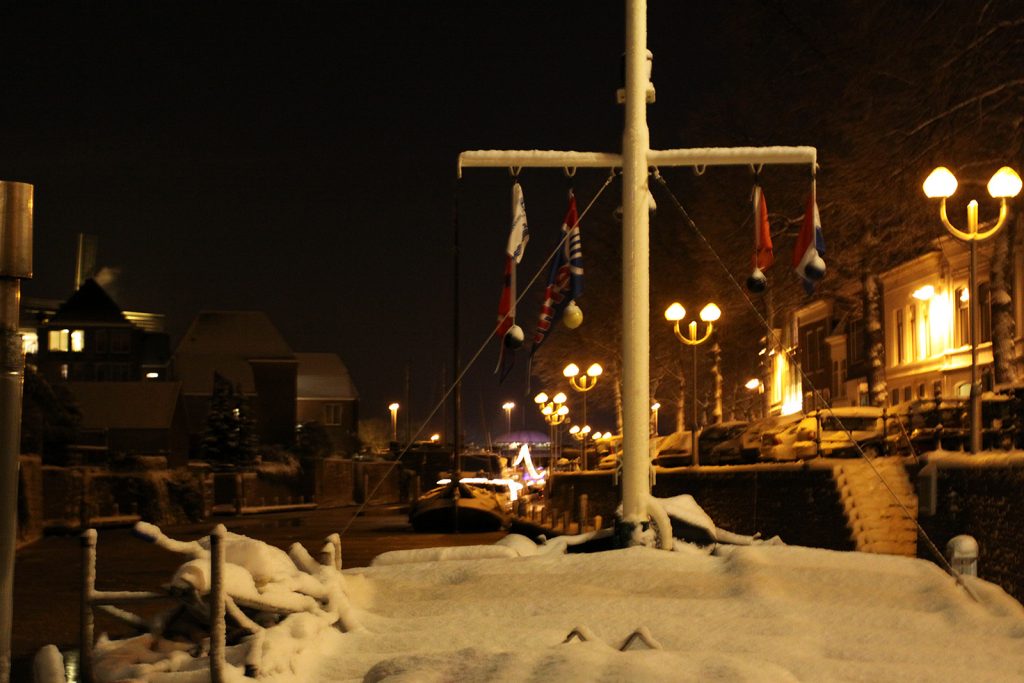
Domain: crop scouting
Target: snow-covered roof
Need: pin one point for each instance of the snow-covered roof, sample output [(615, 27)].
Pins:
[(324, 376)]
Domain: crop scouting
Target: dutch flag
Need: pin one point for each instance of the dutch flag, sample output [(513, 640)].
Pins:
[(810, 247)]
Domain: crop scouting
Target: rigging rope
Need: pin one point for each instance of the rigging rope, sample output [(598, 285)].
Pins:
[(776, 342), (540, 270)]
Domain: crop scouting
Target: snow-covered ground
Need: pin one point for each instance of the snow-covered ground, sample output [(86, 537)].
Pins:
[(754, 612)]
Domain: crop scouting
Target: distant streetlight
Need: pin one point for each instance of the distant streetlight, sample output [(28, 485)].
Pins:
[(555, 413), (675, 313), (394, 421), (654, 418), (434, 438), (1004, 184), (580, 434), (507, 406), (583, 384)]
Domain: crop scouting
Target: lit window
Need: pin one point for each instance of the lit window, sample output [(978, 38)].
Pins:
[(30, 342), (57, 340), (152, 375), (78, 340)]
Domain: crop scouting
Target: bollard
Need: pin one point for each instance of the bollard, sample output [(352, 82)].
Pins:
[(598, 521), (567, 521), (962, 552), (584, 512)]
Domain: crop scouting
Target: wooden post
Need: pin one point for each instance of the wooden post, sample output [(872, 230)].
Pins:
[(218, 631), (86, 626)]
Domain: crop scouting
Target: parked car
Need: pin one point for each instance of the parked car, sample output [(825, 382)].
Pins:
[(927, 425), (834, 433), (777, 432), (722, 444)]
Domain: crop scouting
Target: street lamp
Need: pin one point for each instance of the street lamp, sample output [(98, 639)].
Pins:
[(583, 384), (555, 413), (507, 406), (654, 418), (394, 421), (709, 314), (1004, 184), (580, 434), (753, 385)]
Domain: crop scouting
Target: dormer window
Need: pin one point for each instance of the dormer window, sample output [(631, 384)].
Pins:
[(58, 340), (66, 340)]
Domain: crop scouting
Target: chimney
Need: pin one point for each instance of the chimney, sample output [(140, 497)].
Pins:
[(85, 261)]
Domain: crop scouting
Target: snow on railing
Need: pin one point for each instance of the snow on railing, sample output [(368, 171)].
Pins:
[(228, 578)]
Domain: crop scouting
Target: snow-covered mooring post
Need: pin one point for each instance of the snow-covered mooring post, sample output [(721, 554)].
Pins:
[(15, 266), (635, 161)]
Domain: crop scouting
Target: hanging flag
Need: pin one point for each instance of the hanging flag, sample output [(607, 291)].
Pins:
[(510, 334), (565, 283), (763, 254), (810, 246)]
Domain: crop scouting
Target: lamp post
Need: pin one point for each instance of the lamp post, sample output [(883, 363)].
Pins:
[(394, 421), (1004, 184), (583, 384), (753, 385), (654, 418), (555, 413), (580, 434), (709, 314), (507, 406)]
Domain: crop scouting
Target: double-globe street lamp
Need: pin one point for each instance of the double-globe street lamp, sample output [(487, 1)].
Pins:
[(580, 434), (709, 314), (555, 413), (1004, 184), (583, 383)]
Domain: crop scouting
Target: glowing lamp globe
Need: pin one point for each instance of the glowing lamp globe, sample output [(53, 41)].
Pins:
[(571, 370), (757, 282), (572, 317), (1005, 183), (514, 337), (595, 370), (675, 313), (940, 184), (710, 313)]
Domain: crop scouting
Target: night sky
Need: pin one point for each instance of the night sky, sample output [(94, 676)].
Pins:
[(299, 158)]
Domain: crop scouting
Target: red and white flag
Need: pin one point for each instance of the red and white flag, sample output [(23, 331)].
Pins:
[(518, 236), (763, 254)]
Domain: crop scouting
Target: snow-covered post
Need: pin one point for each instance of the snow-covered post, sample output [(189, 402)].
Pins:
[(218, 630), (635, 274), (85, 637), (15, 265)]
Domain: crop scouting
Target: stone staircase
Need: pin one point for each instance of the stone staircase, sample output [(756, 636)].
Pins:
[(877, 522)]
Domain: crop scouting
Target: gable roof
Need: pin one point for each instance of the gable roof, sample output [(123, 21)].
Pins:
[(324, 376), (90, 304), (245, 334), (126, 405), (226, 342)]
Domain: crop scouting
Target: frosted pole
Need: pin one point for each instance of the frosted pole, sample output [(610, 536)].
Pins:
[(635, 274)]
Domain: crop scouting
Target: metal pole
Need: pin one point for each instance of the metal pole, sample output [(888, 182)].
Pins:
[(635, 275), (583, 455), (15, 264), (218, 631), (693, 434), (972, 307)]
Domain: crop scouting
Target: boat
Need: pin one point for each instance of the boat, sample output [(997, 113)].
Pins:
[(459, 506)]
